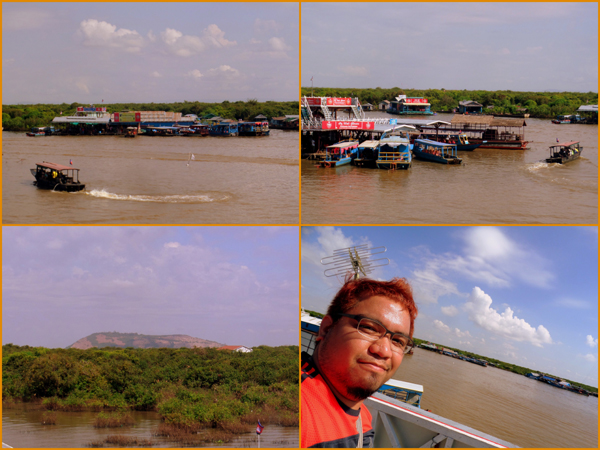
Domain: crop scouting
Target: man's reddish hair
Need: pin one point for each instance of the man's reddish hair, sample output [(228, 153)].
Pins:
[(355, 291)]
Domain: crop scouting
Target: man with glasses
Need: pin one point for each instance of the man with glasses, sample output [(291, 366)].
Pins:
[(362, 340)]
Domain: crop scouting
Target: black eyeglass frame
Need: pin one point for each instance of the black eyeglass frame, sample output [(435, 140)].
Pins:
[(358, 317)]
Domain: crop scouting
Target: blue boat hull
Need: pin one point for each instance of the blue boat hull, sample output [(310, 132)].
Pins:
[(434, 158)]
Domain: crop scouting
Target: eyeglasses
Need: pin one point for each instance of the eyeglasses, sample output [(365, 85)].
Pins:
[(373, 330)]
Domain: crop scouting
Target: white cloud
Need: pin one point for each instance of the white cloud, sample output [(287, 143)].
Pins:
[(186, 45), (461, 334), (172, 245), (489, 257), (428, 286), (279, 45), (441, 326), (506, 324), (591, 341), (589, 357), (196, 74), (156, 74), (103, 34), (449, 310), (216, 37), (224, 71)]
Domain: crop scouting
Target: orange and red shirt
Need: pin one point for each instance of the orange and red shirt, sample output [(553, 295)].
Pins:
[(325, 421)]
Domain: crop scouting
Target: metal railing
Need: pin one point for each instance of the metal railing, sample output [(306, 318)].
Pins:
[(398, 425)]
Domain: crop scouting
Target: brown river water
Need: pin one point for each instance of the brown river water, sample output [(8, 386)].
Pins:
[(146, 180), (21, 428), (517, 409), (491, 186)]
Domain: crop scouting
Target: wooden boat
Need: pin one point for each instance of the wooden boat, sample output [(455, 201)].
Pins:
[(253, 128), (367, 153), (40, 131), (563, 153), (224, 129), (462, 141), (394, 149), (198, 130), (436, 151), (57, 177), (339, 154), (404, 391), (567, 118), (130, 132)]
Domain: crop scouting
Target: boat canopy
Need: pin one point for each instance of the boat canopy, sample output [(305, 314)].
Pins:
[(402, 385), (344, 145), (53, 166), (566, 144), (369, 144), (434, 143)]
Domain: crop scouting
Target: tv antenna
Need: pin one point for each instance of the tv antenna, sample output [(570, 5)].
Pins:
[(358, 259)]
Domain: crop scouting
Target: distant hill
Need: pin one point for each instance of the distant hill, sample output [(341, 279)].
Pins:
[(135, 340)]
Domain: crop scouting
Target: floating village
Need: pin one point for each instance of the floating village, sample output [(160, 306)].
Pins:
[(336, 132), (548, 379), (96, 121)]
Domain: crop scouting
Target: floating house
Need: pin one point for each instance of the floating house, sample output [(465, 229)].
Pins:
[(469, 107), (410, 105), (491, 132), (384, 105), (87, 120), (590, 112), (287, 122)]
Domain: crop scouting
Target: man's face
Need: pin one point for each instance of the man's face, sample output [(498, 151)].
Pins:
[(355, 366)]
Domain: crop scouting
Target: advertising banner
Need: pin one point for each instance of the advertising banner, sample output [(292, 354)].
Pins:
[(333, 101), (347, 125)]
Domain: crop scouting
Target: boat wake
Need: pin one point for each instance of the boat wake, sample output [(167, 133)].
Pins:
[(539, 166), (198, 198)]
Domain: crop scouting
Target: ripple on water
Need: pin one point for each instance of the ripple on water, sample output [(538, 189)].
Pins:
[(197, 198)]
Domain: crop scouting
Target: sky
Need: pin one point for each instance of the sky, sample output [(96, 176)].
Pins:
[(87, 52), (232, 285), (522, 295), (432, 45)]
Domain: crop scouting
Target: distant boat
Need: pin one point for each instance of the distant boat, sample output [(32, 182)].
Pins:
[(394, 148), (436, 151), (57, 177), (563, 153), (567, 118), (340, 154), (367, 153)]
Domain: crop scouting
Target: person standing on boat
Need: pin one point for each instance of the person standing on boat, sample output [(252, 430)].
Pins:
[(361, 343)]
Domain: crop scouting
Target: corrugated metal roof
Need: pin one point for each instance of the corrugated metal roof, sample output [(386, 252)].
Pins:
[(81, 119), (54, 166), (369, 144), (588, 108)]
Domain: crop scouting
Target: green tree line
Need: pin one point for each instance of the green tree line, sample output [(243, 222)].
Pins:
[(24, 117), (506, 366), (538, 104), (200, 386)]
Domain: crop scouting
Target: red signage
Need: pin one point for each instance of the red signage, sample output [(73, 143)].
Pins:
[(415, 100), (116, 117), (333, 101), (347, 125), (138, 117), (314, 101)]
